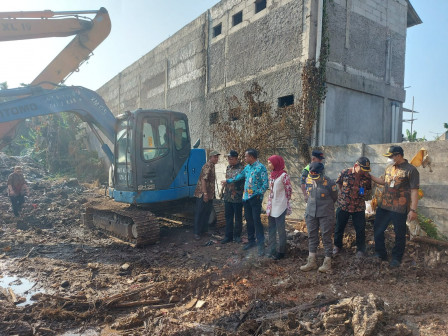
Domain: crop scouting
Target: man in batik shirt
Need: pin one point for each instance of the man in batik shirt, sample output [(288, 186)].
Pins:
[(353, 184), (398, 203), (233, 200), (205, 193), (255, 185)]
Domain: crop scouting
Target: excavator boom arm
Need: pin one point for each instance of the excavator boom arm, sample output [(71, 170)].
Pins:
[(22, 29), (89, 34), (87, 104)]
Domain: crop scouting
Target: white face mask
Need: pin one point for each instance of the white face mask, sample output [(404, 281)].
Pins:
[(390, 160)]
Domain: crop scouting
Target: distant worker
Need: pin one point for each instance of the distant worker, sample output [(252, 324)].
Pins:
[(255, 185), (233, 200), (205, 193), (353, 185), (316, 156), (398, 203), (278, 206), (322, 193), (17, 189)]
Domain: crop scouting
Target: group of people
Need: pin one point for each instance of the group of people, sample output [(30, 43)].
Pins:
[(245, 186)]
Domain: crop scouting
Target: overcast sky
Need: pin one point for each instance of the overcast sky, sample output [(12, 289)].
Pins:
[(140, 25)]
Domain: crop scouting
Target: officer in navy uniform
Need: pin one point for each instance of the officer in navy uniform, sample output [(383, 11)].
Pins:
[(322, 194)]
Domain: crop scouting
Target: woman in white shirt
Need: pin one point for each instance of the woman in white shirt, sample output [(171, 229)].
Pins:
[(278, 206)]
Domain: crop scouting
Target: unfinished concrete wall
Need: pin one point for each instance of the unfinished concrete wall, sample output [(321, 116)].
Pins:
[(212, 58), (171, 76), (367, 54)]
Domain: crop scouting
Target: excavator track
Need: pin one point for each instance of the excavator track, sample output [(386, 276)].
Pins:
[(141, 226), (129, 223)]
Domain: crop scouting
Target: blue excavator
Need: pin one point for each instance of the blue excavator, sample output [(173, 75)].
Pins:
[(154, 169)]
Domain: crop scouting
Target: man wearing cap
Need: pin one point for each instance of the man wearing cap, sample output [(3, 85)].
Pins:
[(17, 189), (316, 156), (256, 183), (205, 193), (322, 193), (353, 184), (398, 204), (233, 200)]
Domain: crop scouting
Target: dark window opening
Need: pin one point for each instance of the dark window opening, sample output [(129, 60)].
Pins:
[(213, 118), (237, 18), (260, 5), (286, 101), (217, 30)]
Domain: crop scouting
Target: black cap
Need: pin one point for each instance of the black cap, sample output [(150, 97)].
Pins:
[(318, 154), (364, 163), (316, 169), (233, 153), (393, 150)]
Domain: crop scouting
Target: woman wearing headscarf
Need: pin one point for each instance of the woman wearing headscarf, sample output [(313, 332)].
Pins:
[(278, 206)]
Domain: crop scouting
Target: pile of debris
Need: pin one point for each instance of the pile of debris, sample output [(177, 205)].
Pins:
[(51, 201)]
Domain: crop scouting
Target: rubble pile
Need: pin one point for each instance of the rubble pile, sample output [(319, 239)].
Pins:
[(50, 203)]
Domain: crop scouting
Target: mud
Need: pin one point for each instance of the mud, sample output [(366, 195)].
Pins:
[(86, 283)]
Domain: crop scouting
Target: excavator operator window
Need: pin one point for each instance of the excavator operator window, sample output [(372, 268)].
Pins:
[(123, 144), (180, 134), (154, 138)]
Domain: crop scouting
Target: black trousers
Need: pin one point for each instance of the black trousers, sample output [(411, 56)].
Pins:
[(201, 215), (17, 202), (234, 219), (252, 211), (382, 220), (359, 223)]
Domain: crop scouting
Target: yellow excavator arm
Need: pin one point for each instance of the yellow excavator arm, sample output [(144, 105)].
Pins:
[(89, 33)]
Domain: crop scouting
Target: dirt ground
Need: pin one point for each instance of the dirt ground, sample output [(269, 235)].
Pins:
[(82, 282)]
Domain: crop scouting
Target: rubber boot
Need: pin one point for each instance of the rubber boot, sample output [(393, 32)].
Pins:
[(326, 266), (310, 265)]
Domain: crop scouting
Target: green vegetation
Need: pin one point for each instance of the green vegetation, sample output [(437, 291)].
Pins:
[(53, 141), (430, 228), (413, 137)]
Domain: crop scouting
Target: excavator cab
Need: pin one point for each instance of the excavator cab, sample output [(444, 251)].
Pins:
[(154, 161)]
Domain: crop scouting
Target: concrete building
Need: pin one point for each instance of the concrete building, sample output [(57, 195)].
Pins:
[(238, 41)]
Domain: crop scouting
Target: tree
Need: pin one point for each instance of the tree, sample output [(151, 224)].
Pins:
[(249, 124), (3, 85)]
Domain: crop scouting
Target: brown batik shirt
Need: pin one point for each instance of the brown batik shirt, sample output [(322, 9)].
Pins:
[(400, 179), (349, 198), (208, 177), (233, 192)]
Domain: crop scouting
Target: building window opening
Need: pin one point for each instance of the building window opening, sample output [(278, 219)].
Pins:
[(260, 5), (285, 101), (217, 30), (237, 18), (213, 118)]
